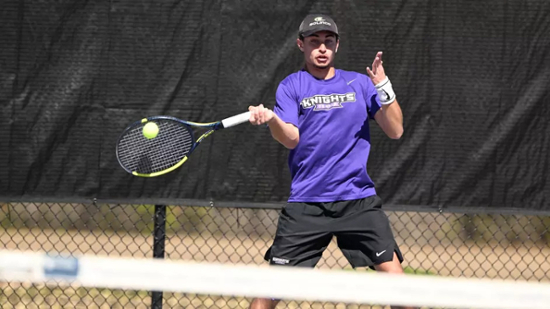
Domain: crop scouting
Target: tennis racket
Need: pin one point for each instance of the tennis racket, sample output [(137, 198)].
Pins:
[(171, 147)]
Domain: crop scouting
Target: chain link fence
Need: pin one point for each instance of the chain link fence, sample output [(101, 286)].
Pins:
[(504, 246)]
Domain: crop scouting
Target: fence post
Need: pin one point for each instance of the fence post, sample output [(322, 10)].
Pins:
[(159, 238)]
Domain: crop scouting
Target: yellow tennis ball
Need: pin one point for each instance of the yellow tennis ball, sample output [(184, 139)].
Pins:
[(150, 130)]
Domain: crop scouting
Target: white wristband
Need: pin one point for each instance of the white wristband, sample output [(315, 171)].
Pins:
[(385, 91)]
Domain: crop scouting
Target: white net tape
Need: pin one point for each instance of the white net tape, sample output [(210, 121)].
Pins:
[(276, 282)]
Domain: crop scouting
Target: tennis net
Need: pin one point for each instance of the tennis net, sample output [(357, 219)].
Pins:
[(285, 283)]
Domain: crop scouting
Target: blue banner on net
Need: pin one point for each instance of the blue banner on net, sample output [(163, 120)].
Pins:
[(59, 267)]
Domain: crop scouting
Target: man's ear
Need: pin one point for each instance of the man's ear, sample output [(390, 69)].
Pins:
[(300, 44)]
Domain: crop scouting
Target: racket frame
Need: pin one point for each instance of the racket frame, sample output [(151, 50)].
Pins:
[(214, 126)]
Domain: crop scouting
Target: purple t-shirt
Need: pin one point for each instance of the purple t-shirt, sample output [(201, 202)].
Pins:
[(330, 161)]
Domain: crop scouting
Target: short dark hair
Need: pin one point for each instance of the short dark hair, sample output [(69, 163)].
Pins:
[(301, 37)]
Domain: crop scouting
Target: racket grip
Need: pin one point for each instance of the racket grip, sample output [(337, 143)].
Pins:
[(235, 120)]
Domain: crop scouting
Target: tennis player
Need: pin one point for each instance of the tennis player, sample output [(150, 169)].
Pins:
[(322, 115)]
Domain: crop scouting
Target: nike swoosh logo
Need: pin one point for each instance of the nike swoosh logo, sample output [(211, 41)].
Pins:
[(380, 253), (387, 95), (351, 81)]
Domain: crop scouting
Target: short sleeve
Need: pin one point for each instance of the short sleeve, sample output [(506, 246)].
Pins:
[(286, 105), (371, 98)]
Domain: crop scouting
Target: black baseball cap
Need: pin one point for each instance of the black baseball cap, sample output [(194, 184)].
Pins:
[(317, 22)]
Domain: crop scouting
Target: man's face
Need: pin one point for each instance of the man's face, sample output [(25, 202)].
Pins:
[(319, 48)]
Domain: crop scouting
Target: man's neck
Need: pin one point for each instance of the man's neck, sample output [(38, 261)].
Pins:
[(324, 73)]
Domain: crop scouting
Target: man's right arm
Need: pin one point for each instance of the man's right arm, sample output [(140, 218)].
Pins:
[(285, 133)]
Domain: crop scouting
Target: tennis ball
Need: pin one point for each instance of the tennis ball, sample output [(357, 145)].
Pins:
[(150, 130)]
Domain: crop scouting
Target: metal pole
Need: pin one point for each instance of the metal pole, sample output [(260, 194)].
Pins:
[(159, 238)]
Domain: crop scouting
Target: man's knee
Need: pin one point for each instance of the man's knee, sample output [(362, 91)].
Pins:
[(393, 266)]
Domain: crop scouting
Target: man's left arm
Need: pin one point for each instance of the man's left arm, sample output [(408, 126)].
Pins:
[(389, 117)]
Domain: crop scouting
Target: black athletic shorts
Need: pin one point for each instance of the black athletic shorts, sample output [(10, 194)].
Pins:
[(361, 228)]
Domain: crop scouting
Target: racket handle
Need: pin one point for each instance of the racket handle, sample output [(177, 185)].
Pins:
[(235, 120)]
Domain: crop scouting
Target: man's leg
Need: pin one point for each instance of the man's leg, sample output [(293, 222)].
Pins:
[(263, 303), (300, 240), (365, 237), (394, 267)]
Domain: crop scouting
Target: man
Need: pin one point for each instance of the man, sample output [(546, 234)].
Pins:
[(321, 115)]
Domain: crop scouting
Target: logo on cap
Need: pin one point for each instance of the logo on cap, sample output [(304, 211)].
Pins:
[(319, 21)]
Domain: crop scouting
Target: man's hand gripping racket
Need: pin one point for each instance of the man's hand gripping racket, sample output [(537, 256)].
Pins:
[(175, 141)]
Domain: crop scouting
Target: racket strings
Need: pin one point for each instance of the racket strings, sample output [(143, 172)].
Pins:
[(139, 154)]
